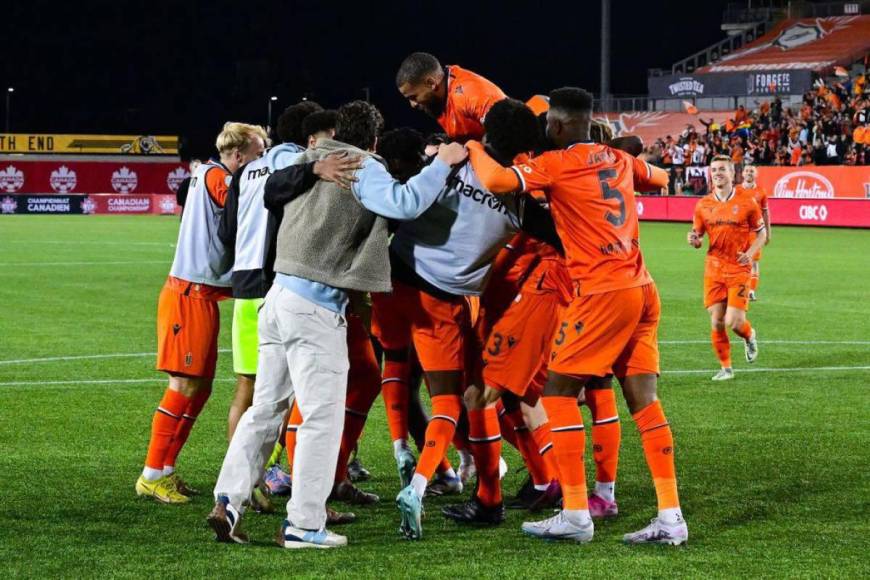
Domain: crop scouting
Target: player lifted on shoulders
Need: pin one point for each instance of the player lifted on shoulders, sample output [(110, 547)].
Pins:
[(750, 187), (612, 322), (730, 221), (457, 98)]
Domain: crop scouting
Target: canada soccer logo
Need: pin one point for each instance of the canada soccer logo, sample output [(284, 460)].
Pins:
[(124, 180), (89, 206), (175, 177), (11, 179), (63, 179), (8, 205)]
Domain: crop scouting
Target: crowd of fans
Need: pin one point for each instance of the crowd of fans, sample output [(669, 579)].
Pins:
[(831, 127)]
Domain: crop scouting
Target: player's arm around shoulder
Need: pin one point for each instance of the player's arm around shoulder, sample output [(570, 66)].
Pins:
[(496, 178)]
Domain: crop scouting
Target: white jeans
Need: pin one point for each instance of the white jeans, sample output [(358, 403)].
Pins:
[(302, 351)]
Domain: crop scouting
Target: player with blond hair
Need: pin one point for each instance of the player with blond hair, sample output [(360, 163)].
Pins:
[(188, 318), (730, 222)]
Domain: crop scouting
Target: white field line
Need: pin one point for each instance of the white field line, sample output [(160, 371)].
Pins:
[(83, 357), (99, 263), (158, 379), (763, 342)]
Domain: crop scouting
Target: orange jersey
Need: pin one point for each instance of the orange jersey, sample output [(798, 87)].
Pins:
[(731, 226), (469, 98), (757, 193), (590, 188)]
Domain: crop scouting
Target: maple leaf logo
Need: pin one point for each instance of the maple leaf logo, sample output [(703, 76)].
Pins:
[(63, 179), (124, 180), (11, 179)]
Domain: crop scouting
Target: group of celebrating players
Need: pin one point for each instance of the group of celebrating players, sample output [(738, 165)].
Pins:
[(504, 266)]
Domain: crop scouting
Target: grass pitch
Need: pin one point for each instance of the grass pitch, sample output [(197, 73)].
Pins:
[(772, 466)]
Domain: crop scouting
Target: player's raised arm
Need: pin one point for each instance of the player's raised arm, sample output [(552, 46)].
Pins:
[(648, 177)]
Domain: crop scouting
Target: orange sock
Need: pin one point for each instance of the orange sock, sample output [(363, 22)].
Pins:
[(544, 441), (528, 448), (744, 331), (606, 433), (658, 447), (753, 282), (569, 444), (394, 388), (445, 414), (363, 388), (185, 425), (484, 440), (722, 347), (290, 436), (163, 428), (506, 426)]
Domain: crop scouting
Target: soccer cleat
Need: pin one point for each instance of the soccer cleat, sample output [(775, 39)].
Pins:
[(550, 498), (467, 471), (289, 536), (601, 508), (356, 472), (658, 532), (559, 528), (278, 481), (502, 468), (474, 512), (406, 463), (443, 485), (725, 374), (525, 496), (336, 518), (226, 521), (163, 490), (752, 296), (348, 492), (751, 348), (411, 508), (260, 501), (182, 486)]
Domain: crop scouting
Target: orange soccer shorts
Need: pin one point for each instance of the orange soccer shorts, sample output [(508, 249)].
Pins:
[(188, 322), (612, 332), (518, 345), (732, 289), (438, 327)]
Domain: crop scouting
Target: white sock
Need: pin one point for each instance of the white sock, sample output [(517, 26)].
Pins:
[(465, 457), (168, 470), (418, 482), (399, 445), (577, 517), (449, 474), (541, 486), (606, 490), (151, 474), (671, 516)]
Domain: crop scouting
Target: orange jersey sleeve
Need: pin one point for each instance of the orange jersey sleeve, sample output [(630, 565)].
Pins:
[(217, 182), (731, 226), (469, 98), (648, 177), (698, 219), (493, 176)]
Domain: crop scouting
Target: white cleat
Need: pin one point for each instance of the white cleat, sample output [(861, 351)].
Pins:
[(751, 348), (502, 468), (752, 296), (658, 532), (559, 527), (725, 374)]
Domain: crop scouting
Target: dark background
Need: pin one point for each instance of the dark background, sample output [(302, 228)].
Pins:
[(184, 68)]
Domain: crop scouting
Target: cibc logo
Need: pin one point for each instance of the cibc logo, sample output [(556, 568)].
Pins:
[(815, 213)]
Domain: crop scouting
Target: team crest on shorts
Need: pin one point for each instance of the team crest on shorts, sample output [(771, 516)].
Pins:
[(188, 359)]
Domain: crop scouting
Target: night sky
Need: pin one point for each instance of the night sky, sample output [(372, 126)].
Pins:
[(184, 68)]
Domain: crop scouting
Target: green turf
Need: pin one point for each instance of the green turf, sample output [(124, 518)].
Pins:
[(772, 466)]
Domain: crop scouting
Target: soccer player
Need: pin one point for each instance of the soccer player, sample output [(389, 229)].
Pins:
[(440, 265), (729, 220), (611, 324), (750, 186), (188, 319), (332, 242), (457, 98)]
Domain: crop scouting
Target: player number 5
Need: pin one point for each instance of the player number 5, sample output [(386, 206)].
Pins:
[(608, 193)]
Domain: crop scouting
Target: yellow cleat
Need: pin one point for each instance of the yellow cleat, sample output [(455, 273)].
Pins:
[(163, 490)]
